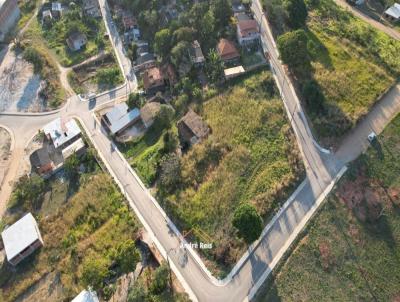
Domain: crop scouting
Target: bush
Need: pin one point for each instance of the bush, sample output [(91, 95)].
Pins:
[(248, 222), (313, 96), (161, 280), (31, 55), (164, 117), (27, 189), (126, 256), (95, 271), (109, 76)]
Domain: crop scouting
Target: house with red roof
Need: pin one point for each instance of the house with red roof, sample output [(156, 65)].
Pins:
[(227, 51), (247, 32)]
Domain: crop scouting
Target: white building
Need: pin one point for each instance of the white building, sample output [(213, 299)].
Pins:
[(247, 32), (393, 12), (21, 239), (62, 133), (86, 296)]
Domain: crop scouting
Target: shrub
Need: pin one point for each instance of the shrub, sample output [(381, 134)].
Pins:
[(313, 96), (161, 279), (126, 256), (31, 55), (95, 271), (170, 172)]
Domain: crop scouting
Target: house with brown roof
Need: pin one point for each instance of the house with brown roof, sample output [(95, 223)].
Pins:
[(247, 32), (153, 80), (156, 79), (192, 129), (227, 51)]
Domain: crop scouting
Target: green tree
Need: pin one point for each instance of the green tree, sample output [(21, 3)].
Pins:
[(164, 116), (214, 66), (94, 272), (179, 54), (71, 166), (293, 49), (296, 13), (184, 34), (163, 42), (132, 51), (28, 188), (126, 256), (134, 100), (109, 76), (222, 11), (161, 280), (137, 293), (248, 222), (170, 141)]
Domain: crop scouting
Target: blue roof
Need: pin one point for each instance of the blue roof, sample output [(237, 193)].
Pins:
[(119, 117)]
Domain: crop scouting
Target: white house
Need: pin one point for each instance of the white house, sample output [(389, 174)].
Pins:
[(119, 118), (247, 32), (21, 239), (62, 133), (393, 12)]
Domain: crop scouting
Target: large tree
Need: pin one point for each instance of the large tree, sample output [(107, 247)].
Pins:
[(248, 222), (214, 66), (222, 11), (293, 48), (296, 13), (163, 42)]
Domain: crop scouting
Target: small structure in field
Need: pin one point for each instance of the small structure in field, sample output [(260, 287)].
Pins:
[(92, 8), (393, 13), (196, 54), (233, 72), (47, 16), (86, 296), (76, 41), (56, 9), (119, 118), (192, 129), (21, 239)]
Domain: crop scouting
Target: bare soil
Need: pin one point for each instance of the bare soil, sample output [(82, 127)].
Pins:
[(5, 145)]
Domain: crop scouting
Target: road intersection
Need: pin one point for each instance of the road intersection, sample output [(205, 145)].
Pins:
[(323, 169)]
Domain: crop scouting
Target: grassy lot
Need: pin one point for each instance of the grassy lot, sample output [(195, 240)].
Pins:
[(57, 32), (350, 251), (251, 156), (27, 8), (351, 62), (85, 226), (96, 77)]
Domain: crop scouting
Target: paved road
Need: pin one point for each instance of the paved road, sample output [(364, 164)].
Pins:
[(386, 29), (322, 170)]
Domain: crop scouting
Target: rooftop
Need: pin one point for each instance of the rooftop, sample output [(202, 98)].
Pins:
[(86, 296), (227, 49), (20, 235), (153, 77), (195, 124), (149, 111), (61, 132), (394, 11), (119, 117), (247, 26)]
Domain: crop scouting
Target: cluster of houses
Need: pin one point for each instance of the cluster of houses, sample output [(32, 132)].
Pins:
[(61, 140)]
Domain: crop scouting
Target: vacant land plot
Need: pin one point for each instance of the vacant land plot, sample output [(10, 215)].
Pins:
[(351, 250), (97, 76), (347, 60), (251, 156), (83, 237)]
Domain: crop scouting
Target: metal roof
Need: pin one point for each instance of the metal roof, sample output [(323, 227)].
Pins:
[(20, 235), (86, 296), (394, 11), (119, 117)]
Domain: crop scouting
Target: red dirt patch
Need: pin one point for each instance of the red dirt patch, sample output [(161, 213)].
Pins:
[(326, 257)]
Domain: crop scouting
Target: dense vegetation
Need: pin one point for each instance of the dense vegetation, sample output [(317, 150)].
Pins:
[(342, 65), (251, 156), (350, 251)]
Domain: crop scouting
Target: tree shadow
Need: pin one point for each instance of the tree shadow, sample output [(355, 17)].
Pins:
[(317, 51)]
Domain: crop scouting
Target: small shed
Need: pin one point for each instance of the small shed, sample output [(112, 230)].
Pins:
[(21, 239), (393, 12), (233, 72)]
